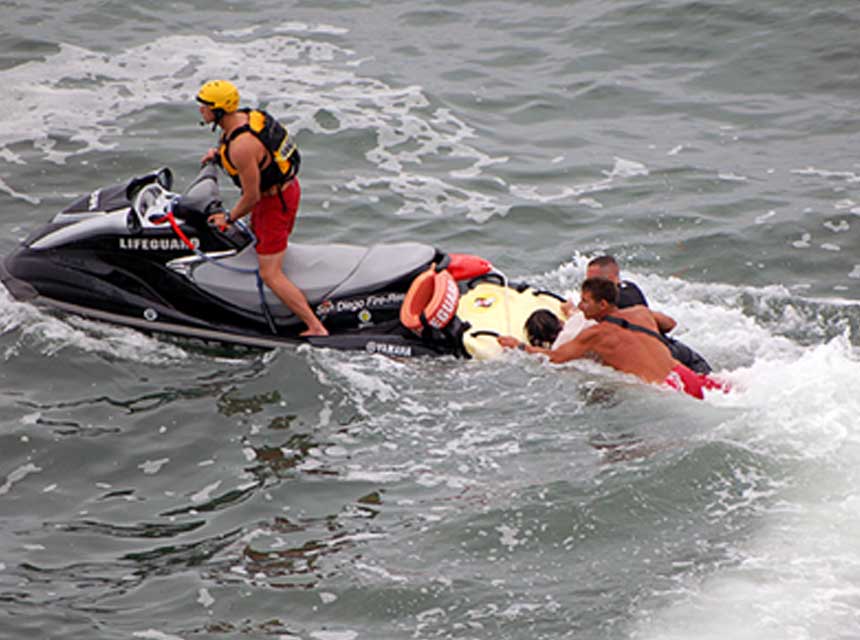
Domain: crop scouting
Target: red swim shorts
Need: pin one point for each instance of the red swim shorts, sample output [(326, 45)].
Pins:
[(273, 218), (684, 379)]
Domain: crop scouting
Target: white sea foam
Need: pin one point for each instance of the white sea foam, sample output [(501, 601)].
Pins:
[(17, 475), (83, 97), (363, 380), (624, 168), (205, 494), (621, 170), (53, 335), (765, 217), (154, 634), (151, 467), (796, 577), (797, 574), (803, 243), (848, 176), (837, 227), (205, 598), (334, 635), (531, 192), (793, 402), (4, 187)]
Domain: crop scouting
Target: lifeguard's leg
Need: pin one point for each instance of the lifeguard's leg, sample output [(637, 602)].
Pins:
[(271, 271)]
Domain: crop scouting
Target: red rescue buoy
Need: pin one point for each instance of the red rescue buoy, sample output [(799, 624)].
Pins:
[(431, 301)]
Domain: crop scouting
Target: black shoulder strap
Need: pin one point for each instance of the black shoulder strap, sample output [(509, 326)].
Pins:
[(626, 324), (238, 131)]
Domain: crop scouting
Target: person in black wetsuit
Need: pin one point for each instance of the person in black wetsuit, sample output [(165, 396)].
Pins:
[(630, 295)]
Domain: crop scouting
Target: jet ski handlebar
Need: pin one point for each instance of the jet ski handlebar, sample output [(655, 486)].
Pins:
[(203, 195)]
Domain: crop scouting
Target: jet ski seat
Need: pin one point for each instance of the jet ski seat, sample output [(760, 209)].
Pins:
[(321, 272)]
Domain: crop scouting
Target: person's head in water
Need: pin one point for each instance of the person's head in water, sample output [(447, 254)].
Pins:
[(542, 328), (603, 267), (599, 297)]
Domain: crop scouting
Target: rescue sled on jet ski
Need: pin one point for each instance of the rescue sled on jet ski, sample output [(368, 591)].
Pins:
[(140, 255)]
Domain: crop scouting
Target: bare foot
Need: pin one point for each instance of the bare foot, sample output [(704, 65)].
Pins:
[(316, 332)]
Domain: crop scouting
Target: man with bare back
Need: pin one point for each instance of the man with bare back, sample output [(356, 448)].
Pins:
[(625, 339)]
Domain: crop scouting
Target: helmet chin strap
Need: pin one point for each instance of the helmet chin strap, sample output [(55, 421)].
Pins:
[(219, 114)]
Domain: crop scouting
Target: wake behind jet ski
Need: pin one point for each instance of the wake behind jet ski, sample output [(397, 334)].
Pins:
[(140, 255)]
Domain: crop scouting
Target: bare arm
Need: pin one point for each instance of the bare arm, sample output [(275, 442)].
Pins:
[(244, 155), (244, 158), (209, 156), (567, 308), (580, 347), (664, 323)]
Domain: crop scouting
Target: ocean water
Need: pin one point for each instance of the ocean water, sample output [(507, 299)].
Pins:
[(151, 489)]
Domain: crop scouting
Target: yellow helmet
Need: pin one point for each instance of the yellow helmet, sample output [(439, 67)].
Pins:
[(219, 94)]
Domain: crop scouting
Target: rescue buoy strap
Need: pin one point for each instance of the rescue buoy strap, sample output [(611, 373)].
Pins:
[(485, 332), (552, 294), (487, 277)]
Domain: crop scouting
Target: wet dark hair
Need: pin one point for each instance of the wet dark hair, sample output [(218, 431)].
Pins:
[(601, 289), (542, 328)]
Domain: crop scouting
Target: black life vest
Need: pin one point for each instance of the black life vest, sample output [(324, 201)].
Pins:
[(284, 157)]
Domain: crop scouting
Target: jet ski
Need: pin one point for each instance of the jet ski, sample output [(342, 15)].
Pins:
[(141, 255)]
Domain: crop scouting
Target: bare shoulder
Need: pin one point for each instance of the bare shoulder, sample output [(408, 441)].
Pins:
[(629, 312), (600, 334), (246, 147), (594, 334), (639, 314), (604, 334)]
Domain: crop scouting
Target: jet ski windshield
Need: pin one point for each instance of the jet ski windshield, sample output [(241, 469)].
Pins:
[(118, 196), (144, 205)]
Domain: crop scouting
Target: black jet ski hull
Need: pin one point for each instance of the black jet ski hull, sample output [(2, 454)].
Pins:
[(76, 292), (140, 255)]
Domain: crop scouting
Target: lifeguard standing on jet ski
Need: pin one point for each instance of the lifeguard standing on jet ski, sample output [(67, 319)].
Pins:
[(258, 154)]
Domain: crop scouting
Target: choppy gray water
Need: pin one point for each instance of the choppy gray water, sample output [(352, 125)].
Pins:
[(153, 490)]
